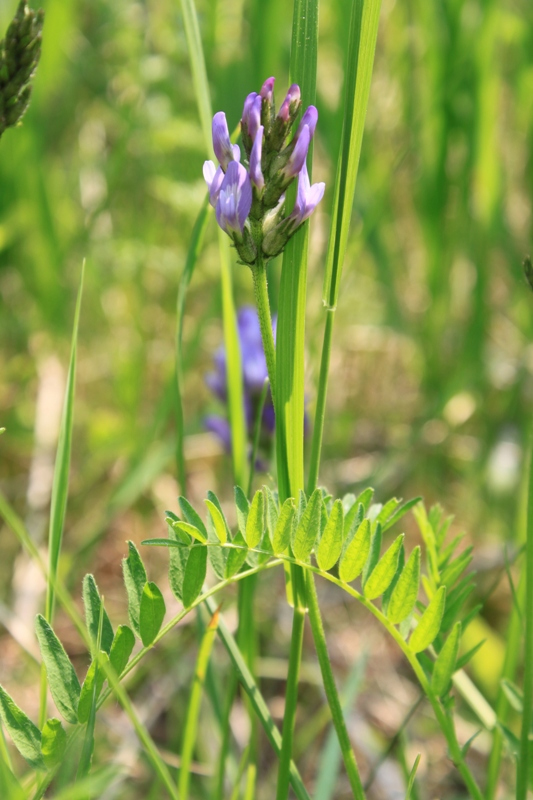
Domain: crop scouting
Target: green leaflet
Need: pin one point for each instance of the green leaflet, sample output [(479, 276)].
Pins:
[(400, 512), (384, 571), (387, 510), (272, 513), (177, 562), (92, 603), (25, 735), (373, 555), (330, 545), (385, 600), (352, 520), (412, 775), (53, 742), (429, 624), (236, 556), (134, 580), (194, 577), (445, 664), (255, 521), (283, 531), (94, 680), (308, 527), (514, 695), (9, 785), (219, 523), (192, 530), (243, 506), (152, 613), (365, 498), (121, 648), (192, 517), (403, 597), (62, 679), (356, 553)]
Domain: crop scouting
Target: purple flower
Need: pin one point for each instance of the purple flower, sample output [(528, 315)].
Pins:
[(310, 118), (292, 97), (213, 177), (234, 200), (256, 175), (297, 158), (251, 114), (267, 89), (307, 198), (225, 151)]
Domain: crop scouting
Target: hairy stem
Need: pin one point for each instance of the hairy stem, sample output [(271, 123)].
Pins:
[(265, 321)]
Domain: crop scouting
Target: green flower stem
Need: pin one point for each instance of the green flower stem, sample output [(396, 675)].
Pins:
[(265, 321), (291, 692), (527, 713), (330, 689)]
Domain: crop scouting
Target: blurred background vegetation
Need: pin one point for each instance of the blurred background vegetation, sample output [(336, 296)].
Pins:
[(432, 370)]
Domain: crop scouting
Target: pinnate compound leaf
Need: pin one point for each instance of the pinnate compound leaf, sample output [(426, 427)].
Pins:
[(92, 686), (192, 517), (192, 530), (152, 613), (255, 523), (429, 624), (194, 578), (308, 527), (444, 666), (25, 735), (53, 742), (374, 553), (381, 576), (356, 553), (236, 556), (283, 531), (62, 680), (134, 580), (243, 506), (330, 545), (121, 649), (93, 603), (219, 523), (403, 597)]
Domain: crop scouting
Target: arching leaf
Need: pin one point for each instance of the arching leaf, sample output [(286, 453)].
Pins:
[(403, 597), (429, 624), (383, 573)]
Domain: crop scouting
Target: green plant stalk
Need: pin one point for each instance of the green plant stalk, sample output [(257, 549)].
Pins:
[(191, 721), (330, 689), (226, 736), (265, 321), (257, 436), (527, 713), (146, 740)]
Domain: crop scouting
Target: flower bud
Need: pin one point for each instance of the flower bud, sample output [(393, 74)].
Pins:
[(224, 150)]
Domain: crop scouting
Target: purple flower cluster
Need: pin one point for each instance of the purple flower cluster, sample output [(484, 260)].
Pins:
[(249, 197), (254, 370)]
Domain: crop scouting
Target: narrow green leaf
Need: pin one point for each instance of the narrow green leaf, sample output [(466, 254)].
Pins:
[(192, 517), (513, 742), (25, 735), (237, 556), (383, 573), (219, 522), (465, 658), (284, 527), (330, 545), (121, 649), (356, 553), (400, 512), (134, 580), (91, 688), (62, 680), (514, 695), (308, 527), (243, 506), (92, 603), (272, 512), (194, 578), (177, 562), (387, 510), (192, 530), (388, 592), (365, 498), (429, 624), (466, 747), (403, 597), (374, 553), (53, 742), (412, 776), (152, 612), (445, 664), (352, 520), (255, 522)]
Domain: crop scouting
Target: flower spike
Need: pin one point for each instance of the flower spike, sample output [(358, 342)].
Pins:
[(224, 150), (234, 200)]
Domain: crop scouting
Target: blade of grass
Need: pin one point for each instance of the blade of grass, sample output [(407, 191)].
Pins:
[(524, 762), (191, 721), (358, 73), (257, 435)]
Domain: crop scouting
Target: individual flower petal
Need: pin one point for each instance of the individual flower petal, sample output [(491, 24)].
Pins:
[(310, 118), (255, 117), (224, 150), (307, 198), (256, 174), (267, 89), (293, 97), (297, 158), (213, 177), (234, 199)]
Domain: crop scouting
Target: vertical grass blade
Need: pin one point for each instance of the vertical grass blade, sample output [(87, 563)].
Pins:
[(358, 73), (524, 762), (191, 722), (60, 485)]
